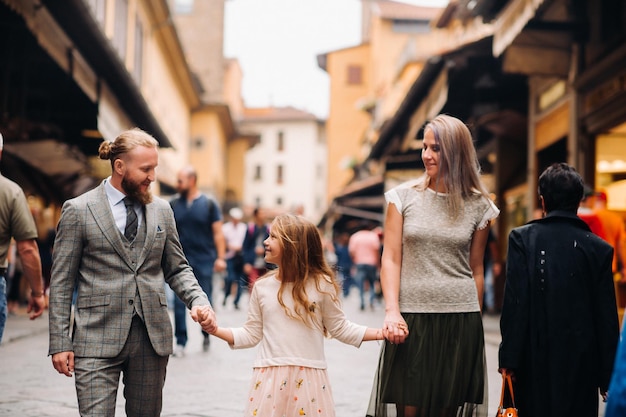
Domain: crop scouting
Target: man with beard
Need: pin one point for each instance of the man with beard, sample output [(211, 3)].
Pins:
[(199, 224), (117, 244)]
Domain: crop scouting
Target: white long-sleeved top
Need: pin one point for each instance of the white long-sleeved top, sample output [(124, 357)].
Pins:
[(289, 341)]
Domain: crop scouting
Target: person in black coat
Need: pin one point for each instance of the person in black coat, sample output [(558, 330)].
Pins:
[(253, 248), (559, 320)]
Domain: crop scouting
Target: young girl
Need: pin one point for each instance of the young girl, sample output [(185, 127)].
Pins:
[(291, 309)]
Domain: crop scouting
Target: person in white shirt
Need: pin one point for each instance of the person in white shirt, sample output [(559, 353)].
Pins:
[(234, 234), (292, 309)]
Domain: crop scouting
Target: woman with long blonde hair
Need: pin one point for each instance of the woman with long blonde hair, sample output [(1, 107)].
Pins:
[(432, 279)]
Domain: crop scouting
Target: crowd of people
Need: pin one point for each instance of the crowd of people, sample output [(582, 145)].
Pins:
[(432, 265)]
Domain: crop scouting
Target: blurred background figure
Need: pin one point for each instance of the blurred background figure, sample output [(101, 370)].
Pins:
[(329, 252), (253, 249), (199, 223), (364, 248), (492, 268), (613, 228), (344, 262), (234, 235), (587, 213)]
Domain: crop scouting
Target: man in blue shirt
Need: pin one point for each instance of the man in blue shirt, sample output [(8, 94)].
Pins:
[(199, 223)]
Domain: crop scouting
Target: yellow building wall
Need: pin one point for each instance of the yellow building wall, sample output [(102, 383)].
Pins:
[(164, 97), (161, 85), (386, 48), (346, 123), (235, 168), (233, 78), (198, 137), (399, 88), (208, 152)]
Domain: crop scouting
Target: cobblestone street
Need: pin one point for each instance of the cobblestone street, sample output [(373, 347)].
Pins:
[(211, 384)]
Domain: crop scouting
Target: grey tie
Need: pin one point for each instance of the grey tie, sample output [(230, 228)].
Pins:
[(130, 231)]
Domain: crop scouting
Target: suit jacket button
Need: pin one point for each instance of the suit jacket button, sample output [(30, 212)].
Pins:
[(130, 302)]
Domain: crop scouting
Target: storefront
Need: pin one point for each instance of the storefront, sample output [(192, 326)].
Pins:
[(603, 120)]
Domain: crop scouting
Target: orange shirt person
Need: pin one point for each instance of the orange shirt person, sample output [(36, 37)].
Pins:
[(614, 233), (587, 213)]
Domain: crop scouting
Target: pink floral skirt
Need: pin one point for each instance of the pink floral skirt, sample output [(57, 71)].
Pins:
[(290, 391)]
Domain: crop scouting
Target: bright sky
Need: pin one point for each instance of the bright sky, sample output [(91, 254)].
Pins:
[(277, 43)]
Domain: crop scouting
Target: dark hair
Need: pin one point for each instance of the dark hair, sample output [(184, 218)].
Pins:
[(561, 187)]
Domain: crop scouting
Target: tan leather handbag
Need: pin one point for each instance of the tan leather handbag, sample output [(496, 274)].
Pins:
[(502, 410)]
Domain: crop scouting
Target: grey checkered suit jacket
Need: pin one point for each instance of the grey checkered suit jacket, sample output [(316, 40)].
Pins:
[(90, 251)]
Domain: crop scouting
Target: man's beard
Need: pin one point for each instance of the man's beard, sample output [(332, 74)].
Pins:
[(133, 190)]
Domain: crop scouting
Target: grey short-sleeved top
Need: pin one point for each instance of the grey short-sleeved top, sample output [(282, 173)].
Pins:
[(16, 220), (435, 275)]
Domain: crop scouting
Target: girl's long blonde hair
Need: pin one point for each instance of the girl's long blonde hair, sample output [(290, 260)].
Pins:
[(459, 169), (302, 261)]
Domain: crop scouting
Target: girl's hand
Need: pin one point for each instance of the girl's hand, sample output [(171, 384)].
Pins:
[(395, 328)]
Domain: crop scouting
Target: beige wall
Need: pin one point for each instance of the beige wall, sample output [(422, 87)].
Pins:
[(165, 81), (398, 89), (233, 77), (386, 47), (235, 168), (352, 131), (208, 152), (346, 124), (202, 35)]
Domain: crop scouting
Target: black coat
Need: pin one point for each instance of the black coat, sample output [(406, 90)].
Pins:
[(559, 320)]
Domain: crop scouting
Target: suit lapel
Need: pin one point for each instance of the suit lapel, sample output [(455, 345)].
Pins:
[(101, 211)]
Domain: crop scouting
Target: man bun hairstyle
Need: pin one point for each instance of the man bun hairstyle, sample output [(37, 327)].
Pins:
[(124, 143)]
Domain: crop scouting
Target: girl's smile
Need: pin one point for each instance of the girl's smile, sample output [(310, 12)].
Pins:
[(273, 251)]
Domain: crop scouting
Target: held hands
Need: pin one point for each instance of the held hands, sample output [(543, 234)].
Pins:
[(206, 317), (395, 329)]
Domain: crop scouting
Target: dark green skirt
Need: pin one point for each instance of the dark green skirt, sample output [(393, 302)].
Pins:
[(440, 370)]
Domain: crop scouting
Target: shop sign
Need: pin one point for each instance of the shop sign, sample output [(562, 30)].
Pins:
[(604, 93), (552, 95)]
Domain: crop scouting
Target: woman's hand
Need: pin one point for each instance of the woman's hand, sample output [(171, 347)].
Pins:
[(395, 329)]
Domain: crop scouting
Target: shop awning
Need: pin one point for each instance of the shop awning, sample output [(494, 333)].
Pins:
[(389, 140), (49, 168), (78, 23), (511, 22), (360, 200)]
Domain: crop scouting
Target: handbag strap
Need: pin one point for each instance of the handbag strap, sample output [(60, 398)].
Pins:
[(506, 381)]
